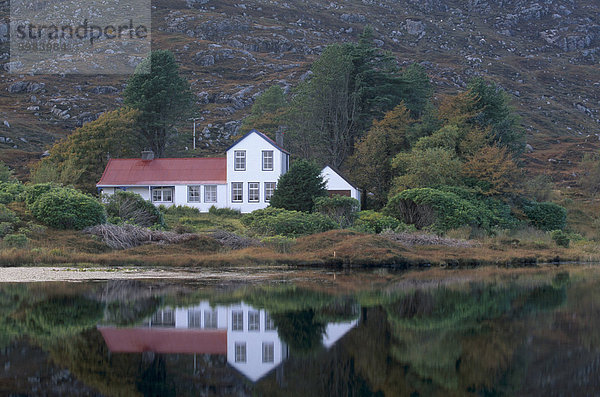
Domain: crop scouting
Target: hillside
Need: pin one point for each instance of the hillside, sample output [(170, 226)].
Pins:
[(544, 53)]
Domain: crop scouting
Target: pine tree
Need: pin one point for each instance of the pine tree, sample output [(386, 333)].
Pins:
[(297, 189)]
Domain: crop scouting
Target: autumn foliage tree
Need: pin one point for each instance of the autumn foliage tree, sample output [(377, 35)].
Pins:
[(371, 163), (80, 158), (493, 171)]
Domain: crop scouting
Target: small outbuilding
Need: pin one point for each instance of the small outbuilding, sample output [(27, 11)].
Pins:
[(337, 184)]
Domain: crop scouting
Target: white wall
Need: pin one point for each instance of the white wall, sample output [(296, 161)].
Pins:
[(253, 368), (253, 144), (180, 196), (336, 182)]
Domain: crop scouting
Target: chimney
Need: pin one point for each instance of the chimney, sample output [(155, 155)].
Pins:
[(279, 137), (147, 155)]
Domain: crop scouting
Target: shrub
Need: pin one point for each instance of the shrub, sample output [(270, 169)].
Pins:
[(341, 209), (17, 240), (68, 209), (7, 215), (10, 191), (375, 222), (491, 212), (546, 216), (431, 207), (132, 208), (224, 212), (281, 244), (276, 221), (179, 210), (560, 238), (33, 192), (5, 228)]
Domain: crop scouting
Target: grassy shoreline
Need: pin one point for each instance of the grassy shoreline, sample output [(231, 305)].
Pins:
[(334, 249)]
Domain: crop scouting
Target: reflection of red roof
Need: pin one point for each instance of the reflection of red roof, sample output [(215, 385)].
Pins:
[(137, 172), (165, 340)]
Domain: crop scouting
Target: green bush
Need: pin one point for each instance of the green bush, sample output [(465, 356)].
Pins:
[(68, 209), (277, 221), (10, 191), (5, 229), (131, 208), (545, 216), (375, 222), (341, 209), (491, 212), (281, 244), (33, 192), (224, 212), (17, 240), (7, 215), (179, 210), (560, 238), (439, 210)]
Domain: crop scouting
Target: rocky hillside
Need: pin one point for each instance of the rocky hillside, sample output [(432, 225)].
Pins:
[(545, 53)]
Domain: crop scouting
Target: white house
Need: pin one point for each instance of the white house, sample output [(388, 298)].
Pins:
[(245, 179), (245, 335)]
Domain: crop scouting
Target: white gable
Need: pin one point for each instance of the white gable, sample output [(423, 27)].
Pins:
[(335, 182)]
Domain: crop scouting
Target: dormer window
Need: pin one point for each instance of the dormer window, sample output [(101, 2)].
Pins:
[(240, 160), (267, 160)]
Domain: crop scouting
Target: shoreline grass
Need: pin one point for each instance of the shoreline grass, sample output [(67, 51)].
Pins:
[(333, 249)]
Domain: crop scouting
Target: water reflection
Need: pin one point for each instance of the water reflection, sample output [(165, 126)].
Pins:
[(530, 335), (245, 335)]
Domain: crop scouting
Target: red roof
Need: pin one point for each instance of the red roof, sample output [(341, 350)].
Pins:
[(165, 340), (137, 172)]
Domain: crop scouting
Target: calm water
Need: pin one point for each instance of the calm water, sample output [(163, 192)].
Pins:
[(361, 335)]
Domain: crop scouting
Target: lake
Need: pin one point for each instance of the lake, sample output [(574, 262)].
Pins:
[(485, 332)]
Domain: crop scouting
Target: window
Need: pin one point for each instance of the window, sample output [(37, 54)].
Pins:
[(269, 189), (253, 320), (267, 160), (193, 194), (237, 320), (239, 160), (163, 318), (253, 191), (210, 193), (240, 352), (162, 195), (237, 191), (268, 352), (211, 319), (269, 323), (194, 319)]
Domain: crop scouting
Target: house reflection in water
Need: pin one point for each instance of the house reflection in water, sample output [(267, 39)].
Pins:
[(247, 336)]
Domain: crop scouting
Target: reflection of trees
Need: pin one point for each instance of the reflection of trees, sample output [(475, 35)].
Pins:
[(300, 330)]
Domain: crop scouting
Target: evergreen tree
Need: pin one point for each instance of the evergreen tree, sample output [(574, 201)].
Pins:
[(161, 95), (297, 189), (493, 110)]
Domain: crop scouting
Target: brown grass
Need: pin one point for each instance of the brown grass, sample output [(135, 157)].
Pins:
[(338, 248)]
